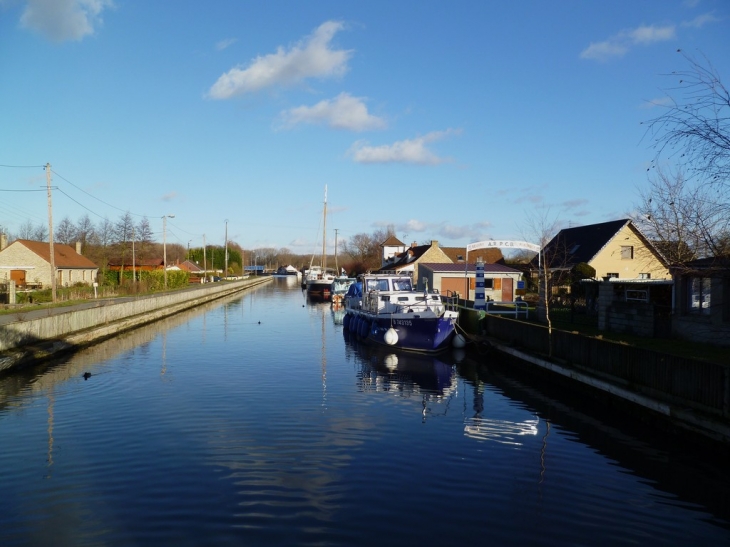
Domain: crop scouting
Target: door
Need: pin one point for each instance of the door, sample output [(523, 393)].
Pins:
[(507, 293), (18, 276)]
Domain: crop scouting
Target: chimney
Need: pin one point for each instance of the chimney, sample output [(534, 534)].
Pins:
[(434, 243), (3, 241), (78, 247), (414, 244)]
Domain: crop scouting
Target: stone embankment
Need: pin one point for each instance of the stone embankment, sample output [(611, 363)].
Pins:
[(29, 337)]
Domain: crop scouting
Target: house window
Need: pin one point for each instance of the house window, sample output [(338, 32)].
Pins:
[(637, 296), (627, 252), (488, 283), (698, 295), (644, 276)]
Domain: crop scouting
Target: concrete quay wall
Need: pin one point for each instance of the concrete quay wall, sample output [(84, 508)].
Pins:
[(28, 341)]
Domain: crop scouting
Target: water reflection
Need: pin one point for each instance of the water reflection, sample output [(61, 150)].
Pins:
[(42, 378)]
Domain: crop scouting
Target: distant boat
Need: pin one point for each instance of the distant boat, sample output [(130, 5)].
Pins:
[(285, 271), (340, 285), (319, 278)]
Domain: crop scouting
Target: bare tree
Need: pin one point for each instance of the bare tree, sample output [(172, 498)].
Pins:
[(84, 231), (143, 236), (40, 232), (26, 230), (65, 232), (123, 233), (694, 129)]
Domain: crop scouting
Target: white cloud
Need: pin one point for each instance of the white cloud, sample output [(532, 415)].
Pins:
[(61, 20), (224, 44), (621, 43), (342, 112), (700, 21), (405, 151), (660, 101), (310, 58)]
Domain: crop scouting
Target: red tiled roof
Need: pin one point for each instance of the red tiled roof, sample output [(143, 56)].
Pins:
[(64, 256)]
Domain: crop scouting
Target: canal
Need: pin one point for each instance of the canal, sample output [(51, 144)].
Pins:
[(255, 421)]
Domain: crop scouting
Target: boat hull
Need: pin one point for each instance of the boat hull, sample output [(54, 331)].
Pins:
[(319, 289), (422, 334)]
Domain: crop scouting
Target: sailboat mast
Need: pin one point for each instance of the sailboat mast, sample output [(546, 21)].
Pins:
[(324, 233)]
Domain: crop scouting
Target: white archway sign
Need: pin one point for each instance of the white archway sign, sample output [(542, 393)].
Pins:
[(502, 244)]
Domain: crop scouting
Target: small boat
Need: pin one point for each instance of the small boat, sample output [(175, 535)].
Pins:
[(318, 280), (285, 271), (340, 286), (385, 309)]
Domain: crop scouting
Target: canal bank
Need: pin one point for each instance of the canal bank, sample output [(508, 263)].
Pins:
[(27, 338), (690, 394)]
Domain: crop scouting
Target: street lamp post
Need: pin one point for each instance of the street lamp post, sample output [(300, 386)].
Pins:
[(164, 245), (226, 252)]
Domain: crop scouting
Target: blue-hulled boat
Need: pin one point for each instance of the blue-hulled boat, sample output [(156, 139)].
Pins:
[(385, 309)]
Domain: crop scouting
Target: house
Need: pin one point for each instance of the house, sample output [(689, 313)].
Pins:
[(407, 261), (702, 301), (28, 263), (615, 249), (146, 265), (500, 281), (391, 247), (187, 266)]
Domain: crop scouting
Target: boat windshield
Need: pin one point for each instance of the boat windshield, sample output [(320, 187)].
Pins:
[(402, 285)]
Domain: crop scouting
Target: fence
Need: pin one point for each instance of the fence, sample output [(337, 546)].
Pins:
[(698, 384)]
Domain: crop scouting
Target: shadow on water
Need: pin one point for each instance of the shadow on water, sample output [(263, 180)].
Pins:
[(675, 464), (686, 471)]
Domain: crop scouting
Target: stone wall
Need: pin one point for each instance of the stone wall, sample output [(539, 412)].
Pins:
[(79, 327)]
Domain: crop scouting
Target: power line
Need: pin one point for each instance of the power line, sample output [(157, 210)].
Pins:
[(4, 190), (80, 204), (96, 198), (23, 166)]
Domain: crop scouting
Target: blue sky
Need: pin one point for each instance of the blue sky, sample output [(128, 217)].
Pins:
[(455, 121)]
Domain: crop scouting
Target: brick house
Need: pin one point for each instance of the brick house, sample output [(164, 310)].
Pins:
[(28, 263)]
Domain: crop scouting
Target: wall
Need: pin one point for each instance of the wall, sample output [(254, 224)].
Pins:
[(83, 326), (18, 257), (687, 383), (712, 328), (609, 258)]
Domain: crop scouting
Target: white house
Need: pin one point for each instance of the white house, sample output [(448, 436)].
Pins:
[(28, 263)]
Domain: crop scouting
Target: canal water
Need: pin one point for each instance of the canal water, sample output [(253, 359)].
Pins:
[(256, 421)]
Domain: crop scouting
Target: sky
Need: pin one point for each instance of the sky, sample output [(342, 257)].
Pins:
[(450, 121)]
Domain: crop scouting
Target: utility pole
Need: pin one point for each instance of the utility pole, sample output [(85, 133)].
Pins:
[(50, 235), (134, 274), (205, 262), (164, 244), (337, 268), (226, 255)]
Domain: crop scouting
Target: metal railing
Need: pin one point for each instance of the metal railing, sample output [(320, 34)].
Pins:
[(514, 309)]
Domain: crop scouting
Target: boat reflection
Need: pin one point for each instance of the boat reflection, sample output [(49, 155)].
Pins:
[(405, 374), (338, 313)]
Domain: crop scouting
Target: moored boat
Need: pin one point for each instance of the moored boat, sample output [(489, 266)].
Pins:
[(385, 309), (285, 271), (340, 285), (319, 282)]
